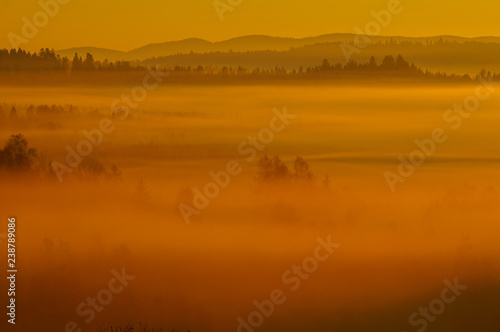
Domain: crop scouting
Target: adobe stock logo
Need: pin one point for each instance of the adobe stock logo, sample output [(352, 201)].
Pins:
[(429, 314), (104, 297), (120, 108), (30, 28), (428, 146), (221, 7), (293, 278), (382, 19), (221, 180)]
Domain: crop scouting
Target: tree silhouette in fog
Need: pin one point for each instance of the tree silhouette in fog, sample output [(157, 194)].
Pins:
[(388, 63), (402, 64), (373, 63), (18, 156), (89, 62), (77, 63), (13, 113), (326, 182), (142, 195), (90, 169), (301, 169), (271, 169)]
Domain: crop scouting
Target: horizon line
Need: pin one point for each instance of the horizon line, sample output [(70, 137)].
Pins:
[(270, 36)]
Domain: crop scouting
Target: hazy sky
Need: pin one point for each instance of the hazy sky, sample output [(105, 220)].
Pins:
[(128, 24)]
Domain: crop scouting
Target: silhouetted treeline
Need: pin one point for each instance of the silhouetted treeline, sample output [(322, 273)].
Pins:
[(429, 53), (388, 69), (21, 115), (48, 60), (42, 117)]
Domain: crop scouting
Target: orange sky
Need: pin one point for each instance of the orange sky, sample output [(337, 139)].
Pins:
[(127, 24)]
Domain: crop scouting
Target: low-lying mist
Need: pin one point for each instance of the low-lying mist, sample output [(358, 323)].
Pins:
[(397, 249)]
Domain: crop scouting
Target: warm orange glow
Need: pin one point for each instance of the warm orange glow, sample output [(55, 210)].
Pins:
[(125, 25)]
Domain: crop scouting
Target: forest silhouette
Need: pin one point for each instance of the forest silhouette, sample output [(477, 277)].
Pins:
[(390, 68)]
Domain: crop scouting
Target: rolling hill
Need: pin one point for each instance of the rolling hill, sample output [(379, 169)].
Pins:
[(247, 44)]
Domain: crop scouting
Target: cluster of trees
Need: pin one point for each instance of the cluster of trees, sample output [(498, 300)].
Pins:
[(48, 60), (90, 64), (394, 65), (43, 116), (33, 112), (388, 64), (274, 169), (91, 169), (17, 157)]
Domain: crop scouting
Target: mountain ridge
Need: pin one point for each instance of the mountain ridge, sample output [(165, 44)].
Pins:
[(244, 44)]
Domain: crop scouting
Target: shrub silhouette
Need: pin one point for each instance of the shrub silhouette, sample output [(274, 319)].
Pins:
[(91, 169), (18, 156), (115, 172), (301, 169), (326, 182), (13, 114), (142, 195), (271, 169)]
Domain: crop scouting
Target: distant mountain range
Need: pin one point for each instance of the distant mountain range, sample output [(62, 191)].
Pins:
[(246, 44)]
